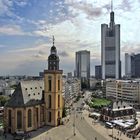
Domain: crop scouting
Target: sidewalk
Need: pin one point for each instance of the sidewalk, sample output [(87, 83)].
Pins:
[(98, 126), (63, 132), (7, 137)]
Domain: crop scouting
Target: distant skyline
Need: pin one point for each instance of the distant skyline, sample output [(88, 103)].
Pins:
[(27, 26)]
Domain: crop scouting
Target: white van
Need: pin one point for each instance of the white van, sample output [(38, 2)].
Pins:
[(109, 125)]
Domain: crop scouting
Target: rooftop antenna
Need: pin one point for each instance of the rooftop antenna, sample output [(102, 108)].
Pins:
[(111, 5), (53, 40)]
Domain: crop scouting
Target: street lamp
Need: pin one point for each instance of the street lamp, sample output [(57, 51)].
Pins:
[(74, 133), (112, 133)]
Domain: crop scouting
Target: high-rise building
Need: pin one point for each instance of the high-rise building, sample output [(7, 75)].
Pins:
[(128, 61), (98, 72), (83, 65), (69, 75), (136, 65), (132, 65), (110, 49)]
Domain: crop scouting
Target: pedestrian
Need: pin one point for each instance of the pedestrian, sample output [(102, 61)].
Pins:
[(5, 136)]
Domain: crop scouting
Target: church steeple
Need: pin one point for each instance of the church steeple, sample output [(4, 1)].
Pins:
[(53, 59)]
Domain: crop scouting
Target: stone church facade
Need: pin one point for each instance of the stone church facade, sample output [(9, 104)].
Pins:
[(36, 103)]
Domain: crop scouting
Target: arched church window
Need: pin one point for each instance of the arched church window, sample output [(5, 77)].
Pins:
[(49, 101), (58, 84), (49, 83), (29, 118), (58, 100), (19, 119)]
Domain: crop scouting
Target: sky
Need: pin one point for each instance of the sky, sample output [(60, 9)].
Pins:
[(27, 27)]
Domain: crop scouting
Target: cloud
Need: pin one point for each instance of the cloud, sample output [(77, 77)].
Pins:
[(2, 46), (63, 54), (76, 8), (129, 47), (21, 3), (12, 30), (5, 7), (126, 5), (40, 54)]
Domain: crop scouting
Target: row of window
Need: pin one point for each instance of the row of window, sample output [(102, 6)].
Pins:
[(33, 94), (32, 88), (19, 118)]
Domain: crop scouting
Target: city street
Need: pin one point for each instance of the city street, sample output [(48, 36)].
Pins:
[(82, 128), (83, 131), (81, 125)]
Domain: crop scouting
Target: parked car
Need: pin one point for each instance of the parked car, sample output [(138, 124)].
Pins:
[(108, 125)]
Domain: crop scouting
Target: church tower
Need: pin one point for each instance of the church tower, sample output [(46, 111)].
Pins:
[(53, 89)]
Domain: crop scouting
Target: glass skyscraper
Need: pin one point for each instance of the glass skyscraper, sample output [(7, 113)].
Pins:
[(83, 64), (110, 49)]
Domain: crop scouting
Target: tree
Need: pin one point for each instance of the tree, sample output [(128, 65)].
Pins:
[(3, 100)]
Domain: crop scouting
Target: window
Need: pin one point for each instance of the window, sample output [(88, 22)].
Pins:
[(58, 114), (35, 87), (38, 93), (34, 93), (58, 100), (58, 84), (50, 84), (9, 117), (43, 95), (19, 119), (31, 88), (37, 115), (49, 116), (29, 118), (29, 95), (25, 88), (49, 101), (43, 115)]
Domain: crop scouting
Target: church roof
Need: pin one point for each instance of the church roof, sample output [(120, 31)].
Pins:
[(27, 93)]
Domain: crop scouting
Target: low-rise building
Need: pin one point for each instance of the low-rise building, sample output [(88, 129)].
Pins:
[(71, 88), (8, 91), (125, 90), (118, 110)]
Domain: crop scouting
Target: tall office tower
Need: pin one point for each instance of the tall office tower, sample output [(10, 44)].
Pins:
[(110, 49), (128, 72), (98, 72), (136, 65), (83, 65), (132, 65)]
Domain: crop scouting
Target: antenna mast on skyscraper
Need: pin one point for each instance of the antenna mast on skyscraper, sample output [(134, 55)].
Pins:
[(53, 40), (111, 5)]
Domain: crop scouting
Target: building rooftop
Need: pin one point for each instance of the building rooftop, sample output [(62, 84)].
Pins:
[(27, 93)]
